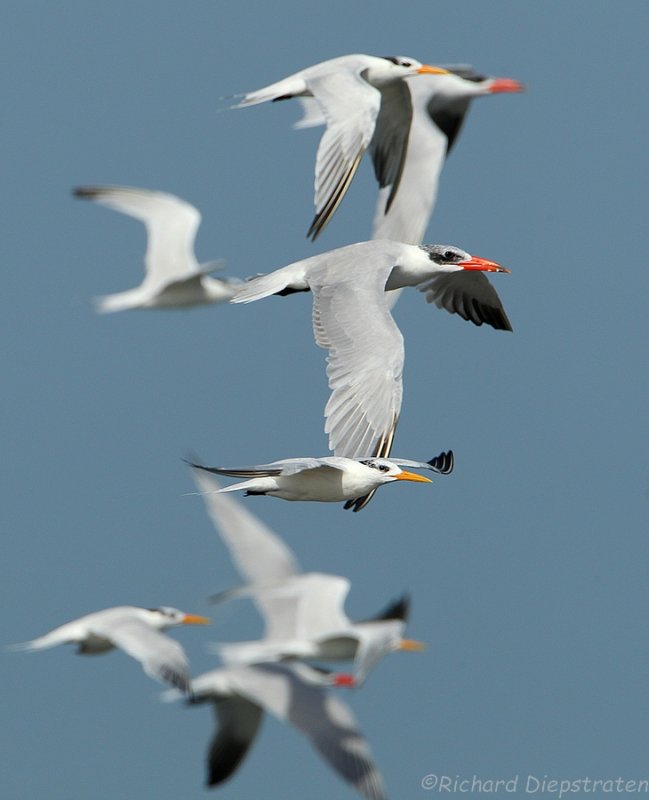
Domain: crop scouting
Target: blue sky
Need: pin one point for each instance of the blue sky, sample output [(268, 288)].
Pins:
[(527, 567)]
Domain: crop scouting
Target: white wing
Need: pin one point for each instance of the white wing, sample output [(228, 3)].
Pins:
[(312, 115), (321, 599), (273, 469), (284, 467), (258, 554), (350, 107), (468, 294), (162, 658), (328, 723), (171, 225), (305, 607), (351, 319)]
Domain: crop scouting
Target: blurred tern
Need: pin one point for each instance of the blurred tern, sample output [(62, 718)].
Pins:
[(134, 630), (294, 693), (351, 320), (330, 479), (350, 91), (302, 611), (174, 278)]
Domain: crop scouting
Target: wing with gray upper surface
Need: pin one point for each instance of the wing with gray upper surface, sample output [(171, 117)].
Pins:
[(161, 657), (328, 723), (350, 106), (258, 554), (365, 363), (171, 225)]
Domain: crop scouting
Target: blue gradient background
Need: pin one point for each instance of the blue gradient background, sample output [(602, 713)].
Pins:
[(527, 567)]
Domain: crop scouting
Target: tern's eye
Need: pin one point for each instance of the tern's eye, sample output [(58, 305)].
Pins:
[(450, 255), (383, 467), (399, 62)]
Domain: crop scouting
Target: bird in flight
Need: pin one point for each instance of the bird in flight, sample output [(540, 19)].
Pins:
[(352, 320), (303, 612), (174, 278), (136, 631), (330, 479), (294, 693), (350, 92)]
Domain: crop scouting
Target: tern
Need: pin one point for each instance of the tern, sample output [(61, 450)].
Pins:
[(350, 92), (416, 139), (330, 479), (294, 693), (134, 630), (302, 611), (174, 278), (351, 320)]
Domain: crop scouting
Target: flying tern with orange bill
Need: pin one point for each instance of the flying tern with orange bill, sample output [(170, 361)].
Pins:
[(352, 320), (417, 138), (350, 92), (330, 479), (136, 631)]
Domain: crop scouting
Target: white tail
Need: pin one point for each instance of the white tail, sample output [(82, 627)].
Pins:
[(291, 276), (288, 87)]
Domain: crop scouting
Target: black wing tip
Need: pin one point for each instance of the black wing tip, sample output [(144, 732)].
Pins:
[(224, 762), (499, 320), (225, 594), (177, 680), (443, 463), (195, 465), (316, 227), (397, 609), (359, 503), (85, 191), (490, 315)]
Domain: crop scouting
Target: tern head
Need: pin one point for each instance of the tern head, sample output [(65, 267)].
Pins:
[(386, 471), (167, 617), (389, 68), (451, 259), (463, 82)]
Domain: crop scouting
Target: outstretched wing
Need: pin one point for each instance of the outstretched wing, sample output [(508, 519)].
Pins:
[(258, 554), (328, 723), (350, 107), (389, 144), (365, 363), (161, 657), (469, 294), (171, 225), (443, 464), (238, 721), (288, 466)]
